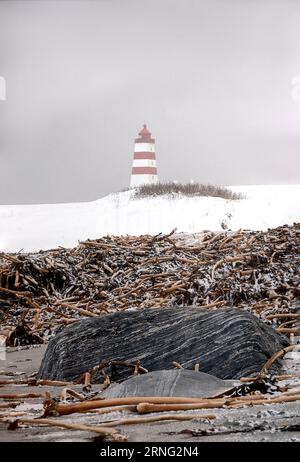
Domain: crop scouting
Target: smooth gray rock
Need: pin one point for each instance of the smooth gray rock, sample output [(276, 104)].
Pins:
[(176, 382), (228, 343)]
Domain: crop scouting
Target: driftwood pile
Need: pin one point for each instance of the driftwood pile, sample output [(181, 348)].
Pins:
[(255, 270)]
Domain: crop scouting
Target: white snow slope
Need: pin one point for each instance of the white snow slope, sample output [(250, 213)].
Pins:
[(36, 227)]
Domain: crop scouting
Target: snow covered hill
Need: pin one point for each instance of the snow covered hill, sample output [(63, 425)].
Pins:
[(35, 227)]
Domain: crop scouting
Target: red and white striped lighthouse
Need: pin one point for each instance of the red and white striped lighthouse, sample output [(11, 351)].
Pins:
[(144, 170)]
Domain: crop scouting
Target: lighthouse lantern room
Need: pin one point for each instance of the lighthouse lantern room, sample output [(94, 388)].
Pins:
[(144, 170)]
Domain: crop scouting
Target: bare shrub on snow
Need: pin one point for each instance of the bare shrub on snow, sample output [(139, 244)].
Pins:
[(186, 189)]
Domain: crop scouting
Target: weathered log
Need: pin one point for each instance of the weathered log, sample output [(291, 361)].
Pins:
[(228, 343), (12, 404), (106, 431), (216, 403), (143, 408), (54, 408), (277, 355), (143, 420), (21, 395)]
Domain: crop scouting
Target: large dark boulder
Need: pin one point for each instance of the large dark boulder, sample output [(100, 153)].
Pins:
[(228, 343)]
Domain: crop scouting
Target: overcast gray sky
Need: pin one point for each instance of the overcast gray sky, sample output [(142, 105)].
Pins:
[(212, 78)]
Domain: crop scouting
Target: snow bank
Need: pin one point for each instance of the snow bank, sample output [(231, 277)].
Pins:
[(35, 227)]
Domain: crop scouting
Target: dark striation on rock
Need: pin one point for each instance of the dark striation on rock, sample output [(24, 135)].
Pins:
[(176, 382), (228, 343)]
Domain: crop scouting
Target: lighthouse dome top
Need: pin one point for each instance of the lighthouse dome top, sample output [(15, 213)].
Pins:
[(144, 136)]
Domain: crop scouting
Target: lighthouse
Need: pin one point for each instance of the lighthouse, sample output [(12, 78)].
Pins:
[(144, 170)]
